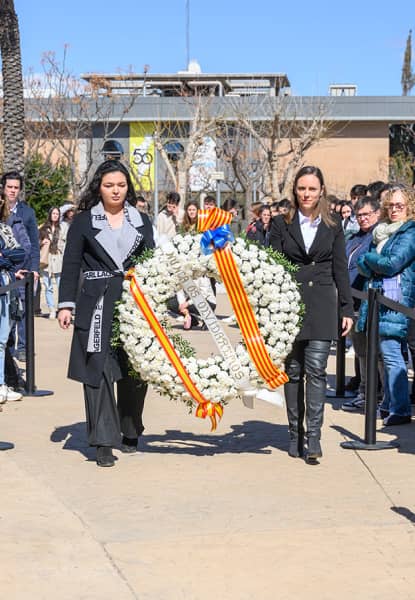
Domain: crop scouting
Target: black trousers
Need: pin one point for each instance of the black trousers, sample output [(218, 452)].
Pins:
[(109, 419), (307, 360)]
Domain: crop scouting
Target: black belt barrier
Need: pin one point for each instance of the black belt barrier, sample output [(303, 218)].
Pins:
[(374, 298), (28, 283)]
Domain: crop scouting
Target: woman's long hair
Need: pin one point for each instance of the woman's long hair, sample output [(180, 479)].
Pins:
[(92, 196), (322, 208), (4, 210), (51, 231), (187, 224)]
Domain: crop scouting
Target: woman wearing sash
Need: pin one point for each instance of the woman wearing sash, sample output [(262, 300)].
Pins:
[(106, 236)]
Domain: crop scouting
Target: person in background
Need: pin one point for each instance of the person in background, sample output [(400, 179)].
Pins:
[(12, 255), (260, 232), (168, 218), (231, 205), (358, 191), (142, 204), (375, 188), (367, 215), (254, 210), (313, 240), (209, 202), (103, 243), (189, 223), (349, 223), (284, 206), (389, 266), (12, 185), (67, 213), (52, 235), (274, 208)]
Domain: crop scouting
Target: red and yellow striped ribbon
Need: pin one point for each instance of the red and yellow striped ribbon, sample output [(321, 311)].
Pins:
[(239, 300), (204, 408)]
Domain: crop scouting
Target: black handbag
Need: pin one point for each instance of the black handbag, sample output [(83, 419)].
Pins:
[(16, 309)]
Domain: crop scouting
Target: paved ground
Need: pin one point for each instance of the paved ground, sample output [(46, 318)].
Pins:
[(197, 515)]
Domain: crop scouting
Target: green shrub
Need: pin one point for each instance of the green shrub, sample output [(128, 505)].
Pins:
[(46, 185)]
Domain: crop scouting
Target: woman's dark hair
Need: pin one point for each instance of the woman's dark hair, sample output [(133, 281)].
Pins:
[(284, 203), (229, 203), (4, 210), (11, 175), (91, 195), (264, 207), (49, 217), (46, 231), (187, 224), (173, 197), (323, 208)]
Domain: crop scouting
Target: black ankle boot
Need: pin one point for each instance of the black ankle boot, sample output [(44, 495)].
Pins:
[(313, 448), (129, 445), (105, 457)]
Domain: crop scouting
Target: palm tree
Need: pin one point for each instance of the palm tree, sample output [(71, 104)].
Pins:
[(13, 102)]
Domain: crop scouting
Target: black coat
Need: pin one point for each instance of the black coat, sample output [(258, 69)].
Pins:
[(86, 250), (258, 234), (322, 274)]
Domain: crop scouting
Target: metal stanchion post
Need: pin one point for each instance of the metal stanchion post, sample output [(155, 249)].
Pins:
[(372, 343), (340, 369), (30, 388), (340, 366)]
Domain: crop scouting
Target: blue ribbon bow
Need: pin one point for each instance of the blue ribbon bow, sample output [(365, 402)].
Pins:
[(217, 237)]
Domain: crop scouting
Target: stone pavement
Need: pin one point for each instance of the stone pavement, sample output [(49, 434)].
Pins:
[(198, 515)]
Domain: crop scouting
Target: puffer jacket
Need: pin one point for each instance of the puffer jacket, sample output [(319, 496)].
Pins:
[(397, 257)]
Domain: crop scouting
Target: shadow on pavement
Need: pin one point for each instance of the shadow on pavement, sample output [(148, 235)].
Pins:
[(255, 437), (404, 512), (404, 434), (75, 439)]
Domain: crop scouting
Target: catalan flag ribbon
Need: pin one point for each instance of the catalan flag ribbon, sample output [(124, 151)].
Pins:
[(212, 219), (205, 408)]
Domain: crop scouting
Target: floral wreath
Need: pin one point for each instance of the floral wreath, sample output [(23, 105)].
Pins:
[(272, 304)]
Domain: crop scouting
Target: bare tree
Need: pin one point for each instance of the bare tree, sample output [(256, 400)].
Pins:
[(66, 114), (192, 135), (13, 102), (278, 132)]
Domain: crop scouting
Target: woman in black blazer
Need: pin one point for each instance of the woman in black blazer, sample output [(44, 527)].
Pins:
[(313, 240), (102, 243)]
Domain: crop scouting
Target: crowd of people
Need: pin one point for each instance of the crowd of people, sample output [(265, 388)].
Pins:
[(338, 246)]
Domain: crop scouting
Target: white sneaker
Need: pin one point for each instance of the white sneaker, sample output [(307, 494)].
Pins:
[(3, 394), (12, 396), (52, 314)]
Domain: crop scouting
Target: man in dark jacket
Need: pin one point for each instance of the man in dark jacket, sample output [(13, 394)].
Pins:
[(367, 211), (12, 185)]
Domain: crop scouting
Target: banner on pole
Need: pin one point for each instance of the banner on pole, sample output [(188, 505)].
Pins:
[(142, 155)]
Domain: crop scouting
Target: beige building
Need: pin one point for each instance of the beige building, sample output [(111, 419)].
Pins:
[(355, 150)]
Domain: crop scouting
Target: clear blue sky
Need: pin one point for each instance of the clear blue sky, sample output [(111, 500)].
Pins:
[(315, 42)]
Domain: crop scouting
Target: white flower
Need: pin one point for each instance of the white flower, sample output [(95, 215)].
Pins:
[(272, 293)]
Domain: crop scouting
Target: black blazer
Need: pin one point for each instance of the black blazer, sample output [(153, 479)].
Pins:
[(322, 275), (84, 252)]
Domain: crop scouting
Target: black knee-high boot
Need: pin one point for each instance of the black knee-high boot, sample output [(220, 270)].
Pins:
[(316, 355), (294, 399)]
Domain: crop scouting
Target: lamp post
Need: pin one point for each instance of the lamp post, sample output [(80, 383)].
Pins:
[(254, 164), (217, 176)]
